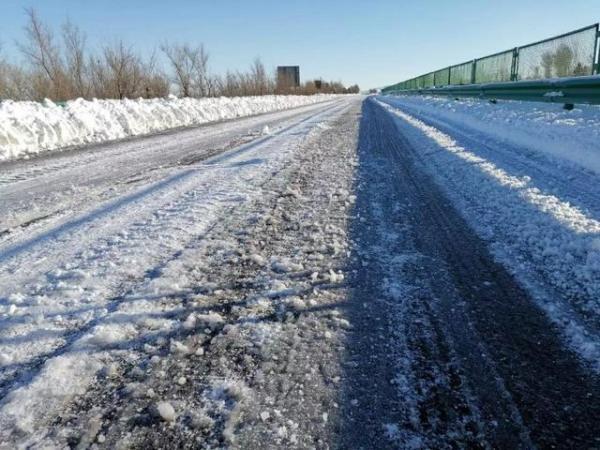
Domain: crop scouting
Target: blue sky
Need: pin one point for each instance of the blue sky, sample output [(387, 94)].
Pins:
[(370, 43)]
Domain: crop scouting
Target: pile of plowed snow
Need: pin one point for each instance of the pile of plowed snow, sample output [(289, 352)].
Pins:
[(546, 128), (28, 128)]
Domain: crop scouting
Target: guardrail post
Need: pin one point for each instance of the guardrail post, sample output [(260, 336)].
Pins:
[(449, 73), (473, 71), (514, 69), (596, 65)]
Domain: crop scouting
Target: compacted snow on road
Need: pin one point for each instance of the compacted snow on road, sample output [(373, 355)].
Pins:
[(356, 273)]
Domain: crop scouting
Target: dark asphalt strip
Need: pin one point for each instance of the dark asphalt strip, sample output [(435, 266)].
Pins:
[(529, 389)]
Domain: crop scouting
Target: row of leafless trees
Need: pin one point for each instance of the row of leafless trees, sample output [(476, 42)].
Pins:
[(60, 67)]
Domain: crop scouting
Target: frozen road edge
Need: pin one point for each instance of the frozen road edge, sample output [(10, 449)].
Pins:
[(533, 233)]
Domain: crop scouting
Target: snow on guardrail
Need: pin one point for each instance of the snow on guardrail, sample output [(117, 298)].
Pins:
[(28, 128)]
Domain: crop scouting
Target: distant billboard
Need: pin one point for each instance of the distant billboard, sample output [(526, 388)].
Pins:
[(288, 76)]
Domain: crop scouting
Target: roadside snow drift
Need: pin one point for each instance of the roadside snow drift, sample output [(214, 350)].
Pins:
[(28, 128), (548, 129)]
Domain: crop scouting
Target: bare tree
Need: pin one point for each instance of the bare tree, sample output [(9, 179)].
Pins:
[(15, 83), (62, 69), (182, 69), (190, 66), (563, 61), (214, 85), (581, 69), (18, 84), (155, 82), (121, 73), (74, 42), (233, 85), (124, 71), (98, 77), (258, 78), (199, 57), (547, 62), (44, 56)]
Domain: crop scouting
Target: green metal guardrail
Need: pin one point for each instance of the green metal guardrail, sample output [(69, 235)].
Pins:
[(560, 90), (558, 69)]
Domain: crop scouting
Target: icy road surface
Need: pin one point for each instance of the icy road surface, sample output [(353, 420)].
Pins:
[(377, 274)]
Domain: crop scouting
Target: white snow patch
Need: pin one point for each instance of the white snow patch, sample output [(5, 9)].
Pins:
[(211, 320), (544, 127), (61, 379), (28, 128), (179, 348), (258, 259), (554, 94), (166, 411)]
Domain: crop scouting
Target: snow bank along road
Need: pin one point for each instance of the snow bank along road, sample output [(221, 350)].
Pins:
[(377, 274), (30, 128)]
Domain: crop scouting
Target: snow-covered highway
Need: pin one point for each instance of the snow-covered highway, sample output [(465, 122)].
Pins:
[(358, 273)]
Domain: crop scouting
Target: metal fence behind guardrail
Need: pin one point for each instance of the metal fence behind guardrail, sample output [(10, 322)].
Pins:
[(572, 54), (494, 68), (568, 55)]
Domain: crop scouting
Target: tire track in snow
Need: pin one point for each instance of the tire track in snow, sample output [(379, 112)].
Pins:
[(551, 246), (190, 193), (64, 182), (562, 178), (496, 326)]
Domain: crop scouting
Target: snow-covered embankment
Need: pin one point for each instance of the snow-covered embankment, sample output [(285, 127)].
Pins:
[(28, 128)]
